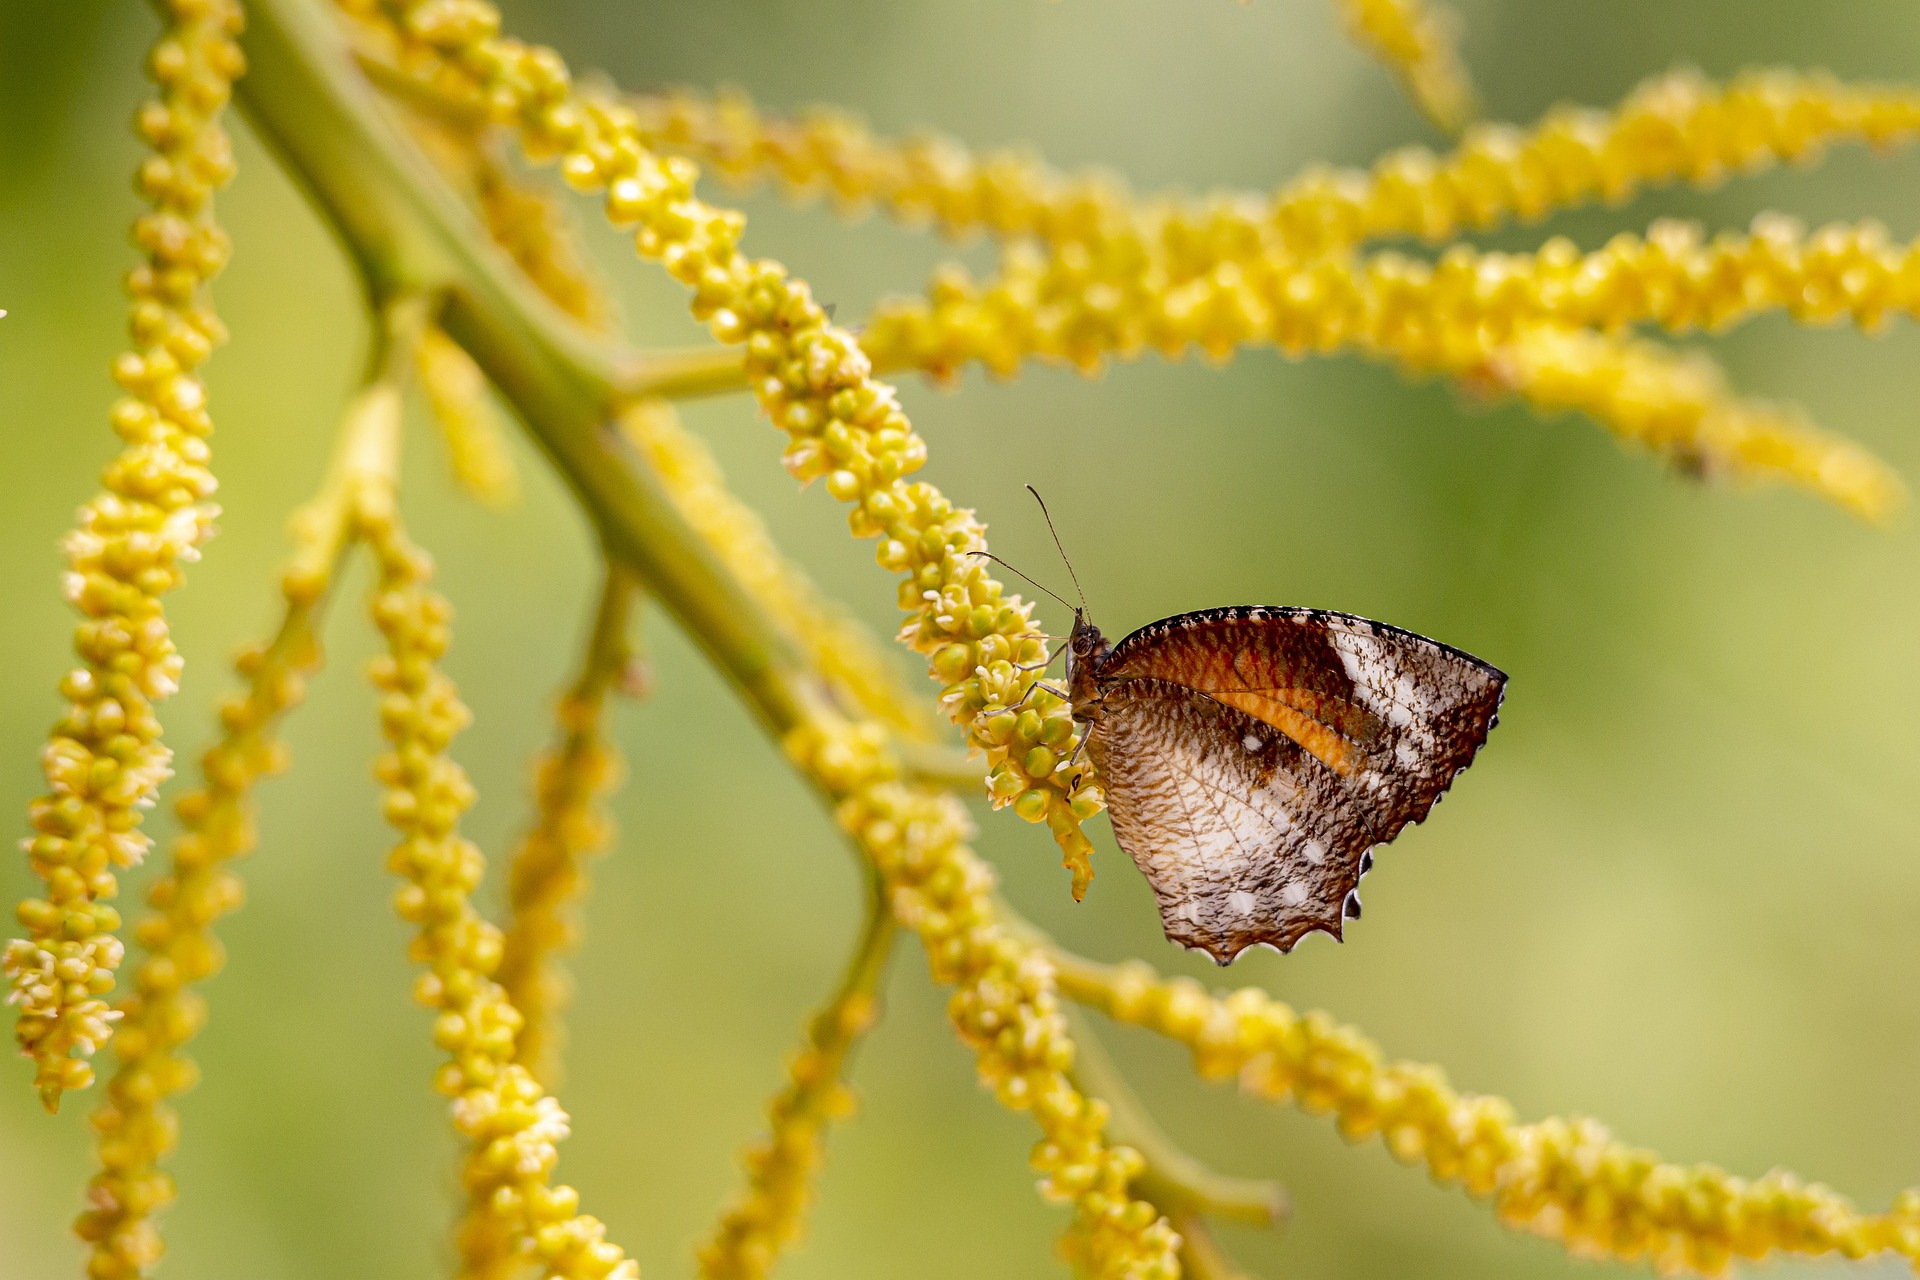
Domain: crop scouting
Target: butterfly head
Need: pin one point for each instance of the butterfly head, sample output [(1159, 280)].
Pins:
[(1085, 647)]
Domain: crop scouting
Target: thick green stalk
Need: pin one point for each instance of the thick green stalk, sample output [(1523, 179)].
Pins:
[(405, 228)]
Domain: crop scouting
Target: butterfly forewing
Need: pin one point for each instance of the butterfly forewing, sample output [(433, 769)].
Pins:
[(1361, 727)]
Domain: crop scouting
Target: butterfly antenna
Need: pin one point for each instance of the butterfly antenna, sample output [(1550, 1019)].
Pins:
[(1048, 517), (1003, 564)]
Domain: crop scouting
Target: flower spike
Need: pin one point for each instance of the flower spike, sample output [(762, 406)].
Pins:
[(105, 760)]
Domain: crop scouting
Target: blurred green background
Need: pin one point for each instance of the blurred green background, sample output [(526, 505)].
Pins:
[(1676, 893)]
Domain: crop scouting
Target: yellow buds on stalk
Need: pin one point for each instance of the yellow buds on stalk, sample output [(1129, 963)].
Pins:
[(1568, 1180), (105, 760), (548, 876), (475, 436), (1677, 127), (1488, 321), (1417, 41), (815, 383), (839, 647), (1004, 1004), (512, 1125), (781, 1167), (928, 178), (533, 226), (1679, 406)]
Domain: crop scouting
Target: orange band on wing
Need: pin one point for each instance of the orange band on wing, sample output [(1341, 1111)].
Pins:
[(1324, 744)]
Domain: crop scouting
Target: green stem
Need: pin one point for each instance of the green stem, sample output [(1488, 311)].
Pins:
[(407, 230), (1174, 1181)]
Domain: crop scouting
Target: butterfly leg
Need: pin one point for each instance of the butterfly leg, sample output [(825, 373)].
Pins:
[(1078, 747), (1039, 684)]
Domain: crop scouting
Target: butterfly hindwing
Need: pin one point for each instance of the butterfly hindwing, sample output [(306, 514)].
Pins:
[(1244, 835), (1394, 715)]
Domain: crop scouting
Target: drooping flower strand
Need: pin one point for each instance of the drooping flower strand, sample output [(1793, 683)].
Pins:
[(1004, 1003), (1568, 1180), (1418, 42), (475, 437), (527, 219), (769, 1215), (105, 760), (1679, 406), (511, 1124), (547, 877), (815, 383), (532, 224), (135, 1127)]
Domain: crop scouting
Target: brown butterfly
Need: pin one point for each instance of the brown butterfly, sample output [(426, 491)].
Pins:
[(1253, 757)]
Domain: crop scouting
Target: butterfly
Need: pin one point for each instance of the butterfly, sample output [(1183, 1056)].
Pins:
[(1253, 757)]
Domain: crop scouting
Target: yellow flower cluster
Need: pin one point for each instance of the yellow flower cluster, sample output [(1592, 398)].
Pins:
[(535, 228), (780, 1169), (1673, 277), (815, 383), (1568, 1180), (1462, 318), (133, 1125), (475, 437), (1418, 42), (754, 1233), (927, 178), (1004, 1003), (838, 647), (1115, 278), (105, 759), (1680, 407), (547, 876), (510, 1122), (1678, 127)]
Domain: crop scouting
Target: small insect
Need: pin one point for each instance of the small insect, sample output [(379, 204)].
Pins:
[(1253, 757)]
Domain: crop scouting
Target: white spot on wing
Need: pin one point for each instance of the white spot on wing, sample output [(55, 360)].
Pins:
[(1315, 852), (1293, 894), (1242, 902), (1252, 743)]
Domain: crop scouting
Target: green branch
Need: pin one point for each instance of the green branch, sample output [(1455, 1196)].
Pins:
[(405, 228)]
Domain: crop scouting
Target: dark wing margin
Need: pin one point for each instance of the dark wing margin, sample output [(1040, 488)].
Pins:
[(1246, 838), (1395, 715)]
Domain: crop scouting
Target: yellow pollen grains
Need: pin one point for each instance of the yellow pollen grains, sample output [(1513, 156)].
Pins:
[(105, 760)]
